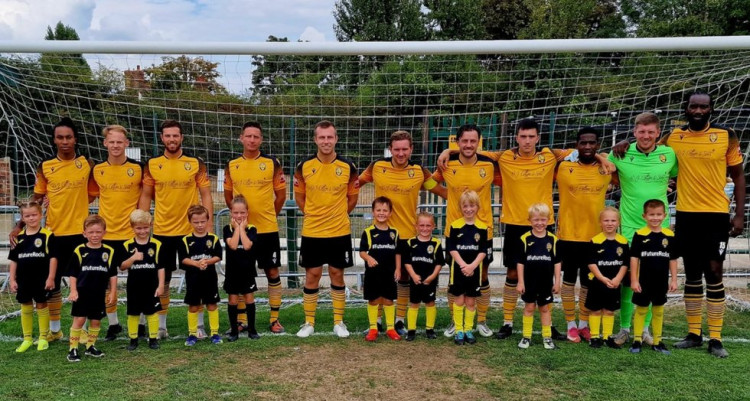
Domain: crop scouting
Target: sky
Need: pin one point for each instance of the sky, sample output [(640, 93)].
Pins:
[(172, 20)]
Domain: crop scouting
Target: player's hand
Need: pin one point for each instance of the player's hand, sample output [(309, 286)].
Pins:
[(202, 264), (397, 275), (112, 297), (137, 255), (13, 236), (636, 286), (371, 262), (13, 286), (609, 283), (49, 285), (426, 281), (442, 161), (738, 225), (416, 279), (673, 286), (73, 296), (159, 291), (620, 148), (235, 223), (556, 288), (609, 167), (520, 288)]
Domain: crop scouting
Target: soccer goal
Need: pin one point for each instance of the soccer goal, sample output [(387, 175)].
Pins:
[(367, 89)]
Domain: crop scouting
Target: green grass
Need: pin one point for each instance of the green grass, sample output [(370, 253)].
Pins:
[(325, 367)]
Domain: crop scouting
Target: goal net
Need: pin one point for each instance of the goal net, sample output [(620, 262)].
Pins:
[(367, 90)]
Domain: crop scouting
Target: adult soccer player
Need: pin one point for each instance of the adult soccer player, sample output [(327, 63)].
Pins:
[(582, 186), (260, 178), (643, 173), (66, 182), (117, 183), (174, 181), (469, 170), (326, 190), (400, 179)]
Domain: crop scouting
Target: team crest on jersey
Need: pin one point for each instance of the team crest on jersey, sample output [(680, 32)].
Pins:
[(541, 158), (101, 172), (482, 172), (105, 257), (410, 173), (713, 137), (393, 236), (78, 164), (151, 252), (476, 237), (632, 158), (570, 170), (131, 172), (549, 247), (339, 171), (273, 258), (663, 158), (209, 243), (664, 242), (430, 248), (619, 251), (38, 242), (187, 166), (383, 170), (262, 166), (346, 257)]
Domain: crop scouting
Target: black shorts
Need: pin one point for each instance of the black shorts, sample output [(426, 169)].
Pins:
[(204, 292), (702, 236), (120, 252), (601, 297), (240, 287), (65, 245), (168, 251), (574, 257), (379, 283), (653, 292), (538, 290), (267, 250), (89, 305), (32, 290), (462, 285), (422, 292), (334, 252), (512, 246), (142, 301)]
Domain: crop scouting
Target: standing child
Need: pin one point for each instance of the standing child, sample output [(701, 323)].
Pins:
[(378, 249), (538, 274), (91, 269), (239, 279), (198, 255), (32, 273), (652, 260), (468, 243), (608, 262), (423, 260), (145, 279)]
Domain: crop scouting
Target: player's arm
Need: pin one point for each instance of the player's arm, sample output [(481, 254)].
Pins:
[(475, 263), (147, 194), (457, 257), (738, 177), (366, 176), (50, 283), (410, 270), (208, 203), (521, 286), (162, 277), (73, 296), (299, 188), (620, 275), (364, 248), (397, 273), (233, 240), (594, 269), (228, 196), (245, 240), (635, 266), (673, 273), (558, 278), (12, 278), (432, 277), (279, 187), (112, 290)]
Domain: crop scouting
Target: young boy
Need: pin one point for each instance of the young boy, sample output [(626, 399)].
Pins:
[(423, 260), (467, 243), (145, 279), (32, 273), (652, 261), (609, 257), (199, 253), (539, 274), (378, 249), (91, 270)]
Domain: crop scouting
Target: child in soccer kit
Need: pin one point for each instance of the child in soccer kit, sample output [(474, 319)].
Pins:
[(32, 273), (239, 279), (467, 243), (423, 259), (609, 258), (91, 270), (198, 255), (652, 260), (378, 249), (145, 279), (539, 274)]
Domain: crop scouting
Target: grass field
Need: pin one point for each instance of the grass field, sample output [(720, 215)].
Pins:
[(325, 367)]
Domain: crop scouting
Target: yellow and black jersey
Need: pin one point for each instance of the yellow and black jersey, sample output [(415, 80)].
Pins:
[(67, 184), (527, 180), (326, 187), (240, 258), (424, 256), (197, 248), (469, 240), (32, 254), (703, 157), (119, 189), (380, 245), (477, 177), (654, 251), (609, 255), (176, 183), (539, 254), (92, 267), (257, 180), (401, 186), (145, 272), (582, 188)]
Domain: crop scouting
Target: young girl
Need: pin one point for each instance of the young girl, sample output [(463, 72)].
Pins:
[(467, 244), (608, 262), (239, 279), (32, 273), (538, 274)]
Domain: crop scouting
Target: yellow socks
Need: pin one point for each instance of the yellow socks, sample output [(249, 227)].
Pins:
[(469, 319), (568, 295), (411, 318), (583, 313), (241, 312), (608, 325), (372, 316), (595, 321), (458, 317), (638, 322), (93, 334), (715, 305), (43, 315), (402, 299), (430, 316), (274, 297), (192, 319), (153, 325), (310, 304), (390, 316), (546, 331), (133, 326), (338, 298), (75, 335), (27, 321), (528, 326), (213, 321), (657, 322), (510, 298)]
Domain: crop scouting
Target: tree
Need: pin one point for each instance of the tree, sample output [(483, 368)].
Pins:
[(572, 19), (185, 73), (387, 20), (503, 19), (455, 19), (688, 17), (64, 63)]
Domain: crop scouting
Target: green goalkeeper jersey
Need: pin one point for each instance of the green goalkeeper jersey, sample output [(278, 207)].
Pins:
[(643, 177)]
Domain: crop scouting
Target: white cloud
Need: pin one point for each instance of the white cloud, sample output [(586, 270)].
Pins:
[(313, 35)]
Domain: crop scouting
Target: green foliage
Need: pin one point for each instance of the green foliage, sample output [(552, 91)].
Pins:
[(455, 19), (185, 73), (387, 20), (573, 19), (503, 19), (653, 18)]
